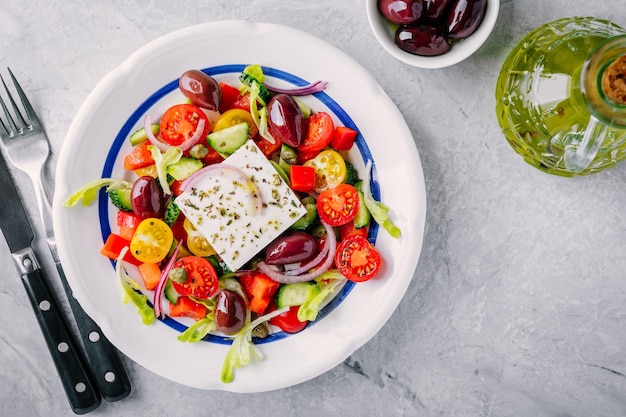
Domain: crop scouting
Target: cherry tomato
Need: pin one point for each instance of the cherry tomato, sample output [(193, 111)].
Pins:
[(338, 205), (180, 121), (201, 277), (288, 321), (152, 240), (321, 129), (357, 259), (235, 116), (196, 242), (242, 102), (330, 169)]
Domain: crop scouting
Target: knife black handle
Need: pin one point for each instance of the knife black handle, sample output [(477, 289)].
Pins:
[(74, 375), (106, 365)]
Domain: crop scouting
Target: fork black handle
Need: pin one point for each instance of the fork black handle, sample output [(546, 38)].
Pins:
[(105, 361), (75, 377)]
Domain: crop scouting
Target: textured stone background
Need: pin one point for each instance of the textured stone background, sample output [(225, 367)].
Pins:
[(517, 304)]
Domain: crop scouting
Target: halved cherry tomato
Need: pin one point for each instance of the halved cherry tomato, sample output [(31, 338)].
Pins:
[(357, 259), (338, 205), (196, 242), (330, 169), (152, 240), (348, 229), (138, 157), (288, 321), (186, 307), (242, 102), (201, 277), (213, 157), (235, 116), (321, 128), (268, 148), (180, 121)]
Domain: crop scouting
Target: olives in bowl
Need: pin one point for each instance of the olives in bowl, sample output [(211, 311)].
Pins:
[(432, 33)]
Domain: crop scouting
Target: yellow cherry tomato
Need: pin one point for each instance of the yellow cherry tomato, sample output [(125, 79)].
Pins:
[(235, 116), (196, 242), (152, 240), (330, 169)]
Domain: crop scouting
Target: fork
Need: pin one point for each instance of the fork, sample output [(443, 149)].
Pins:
[(27, 147)]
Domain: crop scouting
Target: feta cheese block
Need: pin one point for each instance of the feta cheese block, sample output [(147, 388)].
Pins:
[(219, 206)]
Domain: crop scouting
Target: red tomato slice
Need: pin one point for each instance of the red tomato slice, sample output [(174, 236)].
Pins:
[(229, 95), (266, 146), (179, 123), (357, 259), (321, 129), (186, 307), (201, 277), (338, 205), (288, 321)]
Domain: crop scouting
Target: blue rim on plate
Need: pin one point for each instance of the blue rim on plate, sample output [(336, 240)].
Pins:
[(138, 114)]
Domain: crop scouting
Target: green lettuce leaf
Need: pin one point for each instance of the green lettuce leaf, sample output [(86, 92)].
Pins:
[(132, 291), (162, 161), (88, 192)]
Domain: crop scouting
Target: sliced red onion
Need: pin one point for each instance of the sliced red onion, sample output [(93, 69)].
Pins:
[(232, 173), (147, 126), (314, 87), (158, 291), (323, 267), (197, 136)]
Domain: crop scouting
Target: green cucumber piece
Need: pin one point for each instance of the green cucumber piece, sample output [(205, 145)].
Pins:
[(183, 168), (227, 141), (253, 83), (120, 197), (363, 215), (139, 135), (296, 294), (310, 217), (170, 293)]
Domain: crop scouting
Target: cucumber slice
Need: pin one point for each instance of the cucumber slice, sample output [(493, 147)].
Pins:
[(183, 168), (309, 218), (363, 215), (120, 197), (139, 135), (170, 293), (296, 294), (227, 141), (253, 83)]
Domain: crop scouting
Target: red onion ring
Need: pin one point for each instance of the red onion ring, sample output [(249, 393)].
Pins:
[(314, 87), (158, 291), (230, 172), (323, 267), (196, 138)]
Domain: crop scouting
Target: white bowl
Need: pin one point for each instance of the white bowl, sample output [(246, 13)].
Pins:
[(385, 33)]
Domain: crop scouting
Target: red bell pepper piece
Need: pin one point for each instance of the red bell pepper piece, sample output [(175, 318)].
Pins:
[(138, 157), (343, 138), (302, 178), (113, 247), (127, 222), (260, 290), (229, 95), (186, 307)]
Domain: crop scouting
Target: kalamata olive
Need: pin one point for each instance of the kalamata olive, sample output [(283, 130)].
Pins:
[(286, 120), (201, 89), (146, 197), (401, 11), (424, 40), (292, 248), (464, 17), (434, 9), (230, 312)]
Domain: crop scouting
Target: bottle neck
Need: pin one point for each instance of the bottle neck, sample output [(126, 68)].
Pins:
[(603, 82)]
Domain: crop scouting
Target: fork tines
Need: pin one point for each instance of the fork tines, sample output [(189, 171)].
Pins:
[(12, 126)]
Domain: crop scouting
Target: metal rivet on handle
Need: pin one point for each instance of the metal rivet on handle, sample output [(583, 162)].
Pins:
[(63, 347), (80, 387), (44, 305), (94, 336), (109, 377)]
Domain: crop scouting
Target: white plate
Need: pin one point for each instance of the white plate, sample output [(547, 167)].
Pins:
[(146, 83)]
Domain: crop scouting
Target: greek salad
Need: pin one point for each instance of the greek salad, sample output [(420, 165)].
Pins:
[(244, 216)]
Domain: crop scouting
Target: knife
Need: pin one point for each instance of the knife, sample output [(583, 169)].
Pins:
[(108, 370), (18, 233)]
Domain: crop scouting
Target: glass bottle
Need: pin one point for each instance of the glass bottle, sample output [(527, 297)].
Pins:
[(550, 101)]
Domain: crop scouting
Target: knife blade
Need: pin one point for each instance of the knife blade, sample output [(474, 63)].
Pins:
[(18, 233), (106, 365)]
